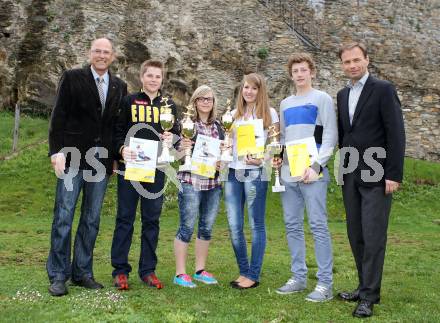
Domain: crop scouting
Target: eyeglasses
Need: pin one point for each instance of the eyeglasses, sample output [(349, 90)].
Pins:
[(99, 52), (205, 100)]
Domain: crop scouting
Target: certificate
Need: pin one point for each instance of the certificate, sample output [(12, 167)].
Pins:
[(205, 155), (143, 168), (301, 154), (250, 138)]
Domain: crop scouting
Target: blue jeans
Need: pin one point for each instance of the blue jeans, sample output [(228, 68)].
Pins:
[(313, 196), (193, 202), (151, 208), (58, 264), (247, 186)]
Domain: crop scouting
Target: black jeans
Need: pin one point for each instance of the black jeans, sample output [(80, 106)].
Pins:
[(151, 207)]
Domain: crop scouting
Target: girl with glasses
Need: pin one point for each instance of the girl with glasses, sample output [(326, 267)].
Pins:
[(199, 197)]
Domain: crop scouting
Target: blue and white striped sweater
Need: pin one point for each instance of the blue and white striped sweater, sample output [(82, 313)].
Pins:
[(310, 115)]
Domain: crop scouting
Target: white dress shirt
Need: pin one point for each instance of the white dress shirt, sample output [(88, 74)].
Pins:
[(354, 94)]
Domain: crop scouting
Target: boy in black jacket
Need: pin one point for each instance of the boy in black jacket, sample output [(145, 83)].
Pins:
[(140, 108)]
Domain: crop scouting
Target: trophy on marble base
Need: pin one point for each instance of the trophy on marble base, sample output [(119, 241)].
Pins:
[(274, 149), (167, 123), (227, 121), (188, 131)]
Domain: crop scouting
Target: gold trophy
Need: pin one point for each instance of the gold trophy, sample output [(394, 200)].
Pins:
[(188, 131), (227, 121), (166, 122), (274, 149)]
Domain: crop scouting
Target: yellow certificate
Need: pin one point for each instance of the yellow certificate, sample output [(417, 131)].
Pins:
[(203, 169), (299, 159), (205, 155), (246, 143), (140, 175), (143, 167)]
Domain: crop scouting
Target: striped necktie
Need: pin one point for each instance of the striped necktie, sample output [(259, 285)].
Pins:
[(100, 84)]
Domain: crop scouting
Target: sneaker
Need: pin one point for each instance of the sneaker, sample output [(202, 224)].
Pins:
[(292, 286), (184, 280), (320, 294), (121, 282), (151, 280), (205, 277)]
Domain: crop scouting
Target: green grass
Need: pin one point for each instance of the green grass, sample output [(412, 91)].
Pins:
[(31, 131), (410, 290)]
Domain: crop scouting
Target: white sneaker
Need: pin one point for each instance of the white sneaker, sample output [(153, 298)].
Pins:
[(292, 286), (320, 294)]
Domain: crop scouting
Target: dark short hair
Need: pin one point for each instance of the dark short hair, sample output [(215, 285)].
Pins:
[(352, 45), (151, 63), (299, 58)]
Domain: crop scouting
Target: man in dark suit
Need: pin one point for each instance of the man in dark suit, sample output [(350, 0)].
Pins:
[(371, 128), (80, 148)]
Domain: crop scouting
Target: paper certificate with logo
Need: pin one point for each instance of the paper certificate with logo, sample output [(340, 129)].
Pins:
[(250, 138), (301, 154), (143, 168), (205, 155)]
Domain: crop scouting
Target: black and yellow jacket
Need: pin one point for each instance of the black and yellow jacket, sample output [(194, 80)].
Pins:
[(138, 109)]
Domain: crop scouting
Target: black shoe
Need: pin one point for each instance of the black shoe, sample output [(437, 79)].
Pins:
[(58, 288), (363, 309), (238, 286), (87, 282), (232, 283), (349, 296), (353, 296)]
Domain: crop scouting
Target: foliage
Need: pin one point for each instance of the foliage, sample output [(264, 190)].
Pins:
[(263, 53)]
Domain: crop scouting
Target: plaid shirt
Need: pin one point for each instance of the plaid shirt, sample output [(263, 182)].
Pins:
[(199, 182)]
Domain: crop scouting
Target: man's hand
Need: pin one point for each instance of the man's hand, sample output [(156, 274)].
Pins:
[(58, 162), (391, 186), (277, 162), (309, 175), (128, 154)]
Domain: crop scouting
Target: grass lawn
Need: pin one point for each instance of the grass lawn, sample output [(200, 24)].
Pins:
[(410, 289), (31, 131)]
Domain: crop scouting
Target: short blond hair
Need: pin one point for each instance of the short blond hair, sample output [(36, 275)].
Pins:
[(151, 63)]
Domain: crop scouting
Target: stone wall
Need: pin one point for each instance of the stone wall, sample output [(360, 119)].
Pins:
[(216, 42)]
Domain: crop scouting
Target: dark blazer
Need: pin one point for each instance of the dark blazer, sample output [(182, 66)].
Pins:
[(76, 119), (377, 122)]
